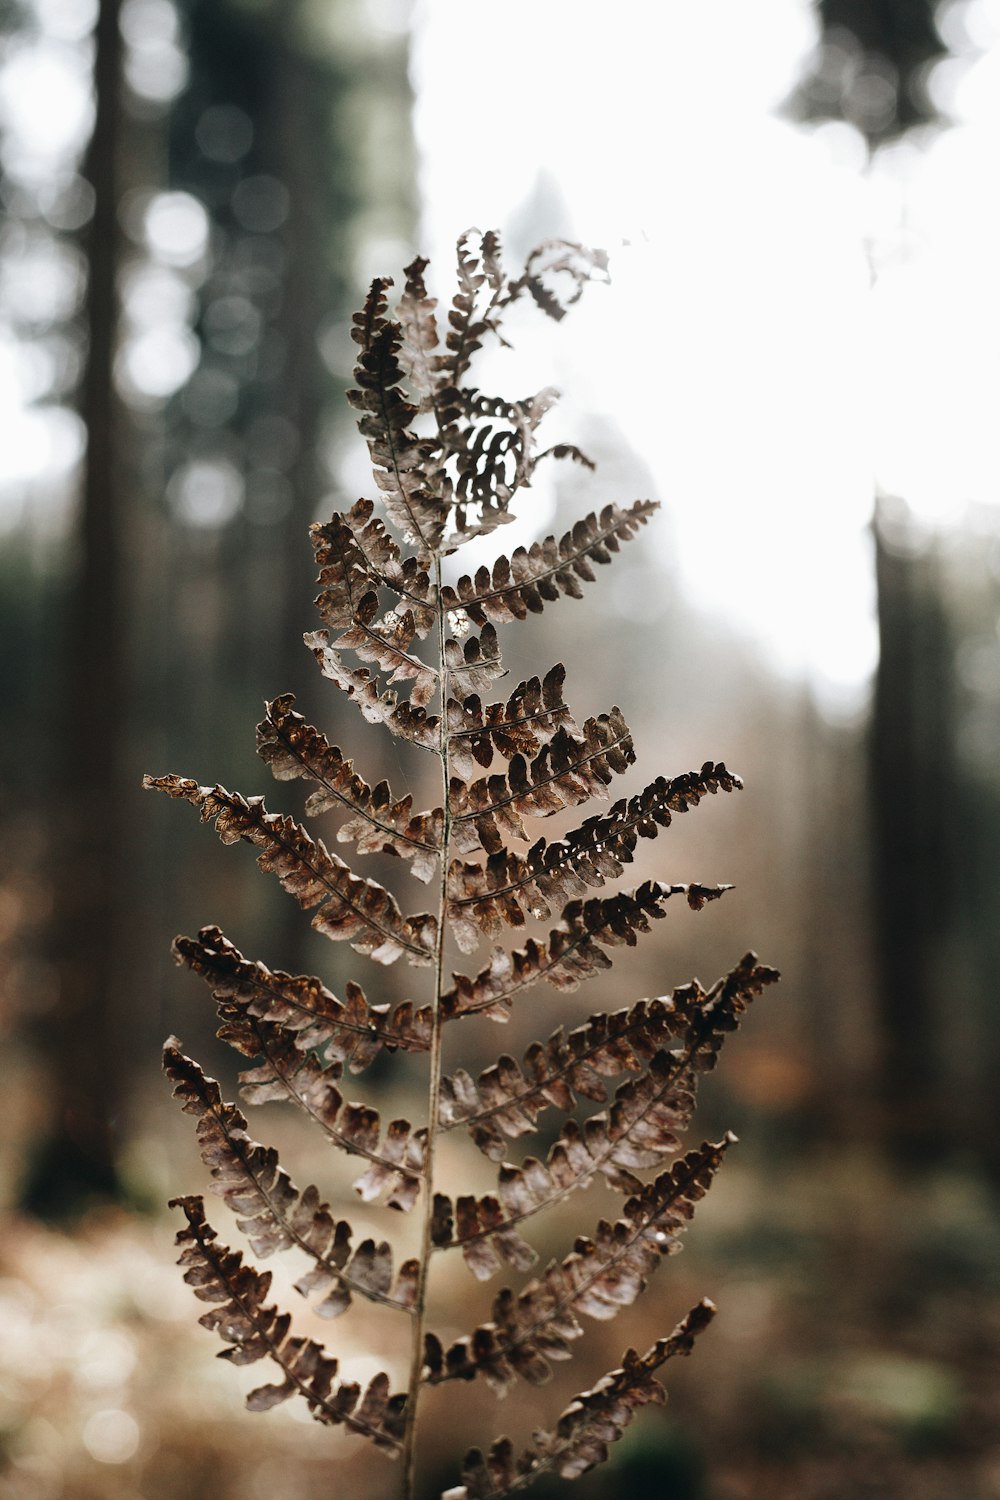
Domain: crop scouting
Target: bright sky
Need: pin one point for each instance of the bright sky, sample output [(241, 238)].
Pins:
[(785, 330), (742, 347)]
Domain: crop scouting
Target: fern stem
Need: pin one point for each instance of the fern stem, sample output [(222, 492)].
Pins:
[(434, 1082)]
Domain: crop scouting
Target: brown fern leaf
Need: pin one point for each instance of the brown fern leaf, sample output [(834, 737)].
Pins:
[(579, 1441), (476, 268), (411, 483), (474, 667), (350, 1031), (353, 910), (386, 642), (573, 951), (641, 1127), (396, 1165), (717, 1012), (272, 1212), (530, 718), (418, 327), (556, 273), (506, 1101), (496, 457), (602, 1275), (257, 1330), (533, 576), (511, 887), (565, 772), (378, 706), (381, 823), (355, 554)]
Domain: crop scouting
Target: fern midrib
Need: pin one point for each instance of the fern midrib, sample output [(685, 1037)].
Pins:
[(434, 1080), (567, 1301)]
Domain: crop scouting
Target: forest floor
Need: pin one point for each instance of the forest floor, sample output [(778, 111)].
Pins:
[(856, 1355)]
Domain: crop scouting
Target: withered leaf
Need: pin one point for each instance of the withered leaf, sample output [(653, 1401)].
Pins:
[(530, 718), (377, 705), (357, 911), (256, 1329), (643, 1124), (414, 489), (472, 668), (356, 554), (573, 951), (523, 583), (380, 823), (511, 887), (271, 1211), (506, 1101), (579, 1441), (602, 1275), (395, 1167), (566, 771), (419, 336), (350, 1030), (386, 642)]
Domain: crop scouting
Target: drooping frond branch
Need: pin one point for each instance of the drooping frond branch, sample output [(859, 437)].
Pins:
[(531, 717), (506, 1102), (538, 574), (579, 1441), (256, 1329), (353, 910), (350, 1031), (601, 1276), (396, 1164), (511, 887), (556, 273), (380, 823), (412, 490), (275, 1214), (355, 554), (564, 773), (642, 1126), (573, 951), (377, 705)]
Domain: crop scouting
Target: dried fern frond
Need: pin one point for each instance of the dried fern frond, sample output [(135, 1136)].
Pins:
[(256, 1330), (423, 660), (380, 823), (350, 1031), (520, 585), (579, 1441), (602, 1275), (360, 912)]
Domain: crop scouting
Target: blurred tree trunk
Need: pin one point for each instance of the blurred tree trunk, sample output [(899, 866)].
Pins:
[(76, 1163), (912, 785)]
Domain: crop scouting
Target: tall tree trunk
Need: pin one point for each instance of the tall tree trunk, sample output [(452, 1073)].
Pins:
[(911, 783), (76, 1163)]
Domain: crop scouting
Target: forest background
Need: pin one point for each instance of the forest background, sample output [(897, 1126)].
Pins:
[(797, 356)]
